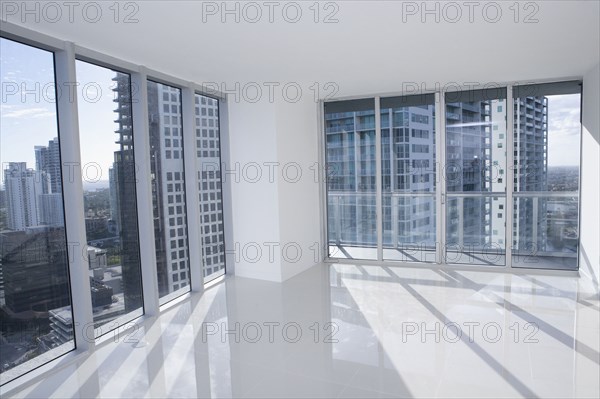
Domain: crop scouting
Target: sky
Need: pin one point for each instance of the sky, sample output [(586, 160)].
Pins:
[(32, 122), (96, 122), (29, 119), (564, 128)]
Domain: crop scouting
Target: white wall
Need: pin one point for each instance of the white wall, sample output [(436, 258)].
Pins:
[(254, 196), (589, 260), (276, 213), (299, 217), (279, 213)]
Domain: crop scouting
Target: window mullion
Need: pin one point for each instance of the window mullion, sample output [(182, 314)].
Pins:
[(73, 196), (144, 191)]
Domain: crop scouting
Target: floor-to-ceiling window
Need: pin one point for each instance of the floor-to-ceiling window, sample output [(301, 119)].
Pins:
[(168, 190), (547, 141), (36, 320), (408, 155), (109, 176), (351, 183), (475, 183), (208, 153), (459, 206), (75, 190)]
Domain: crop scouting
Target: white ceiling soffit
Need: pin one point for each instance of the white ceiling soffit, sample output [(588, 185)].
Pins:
[(361, 46)]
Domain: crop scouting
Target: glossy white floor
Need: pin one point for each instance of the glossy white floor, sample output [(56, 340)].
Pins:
[(366, 331)]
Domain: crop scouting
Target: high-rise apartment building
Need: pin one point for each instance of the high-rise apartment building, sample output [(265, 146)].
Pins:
[(351, 184), (123, 195), (47, 159), (469, 126), (23, 188), (113, 198), (168, 187), (408, 156), (208, 153), (531, 172), (408, 165)]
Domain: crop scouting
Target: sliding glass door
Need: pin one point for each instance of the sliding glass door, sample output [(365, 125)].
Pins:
[(547, 137), (351, 184), (485, 177), (475, 184), (408, 157)]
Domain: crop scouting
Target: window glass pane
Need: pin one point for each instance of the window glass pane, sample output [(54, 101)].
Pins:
[(351, 186), (547, 138), (408, 178), (474, 171), (208, 152), (108, 170), (35, 315), (168, 190)]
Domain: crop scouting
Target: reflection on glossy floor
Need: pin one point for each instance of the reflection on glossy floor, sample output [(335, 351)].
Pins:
[(356, 331)]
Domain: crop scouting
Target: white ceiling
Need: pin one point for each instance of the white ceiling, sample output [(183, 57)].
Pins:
[(369, 50)]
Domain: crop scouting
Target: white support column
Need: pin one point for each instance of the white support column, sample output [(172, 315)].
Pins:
[(141, 151), (72, 184), (192, 195), (440, 192), (378, 182), (510, 176)]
